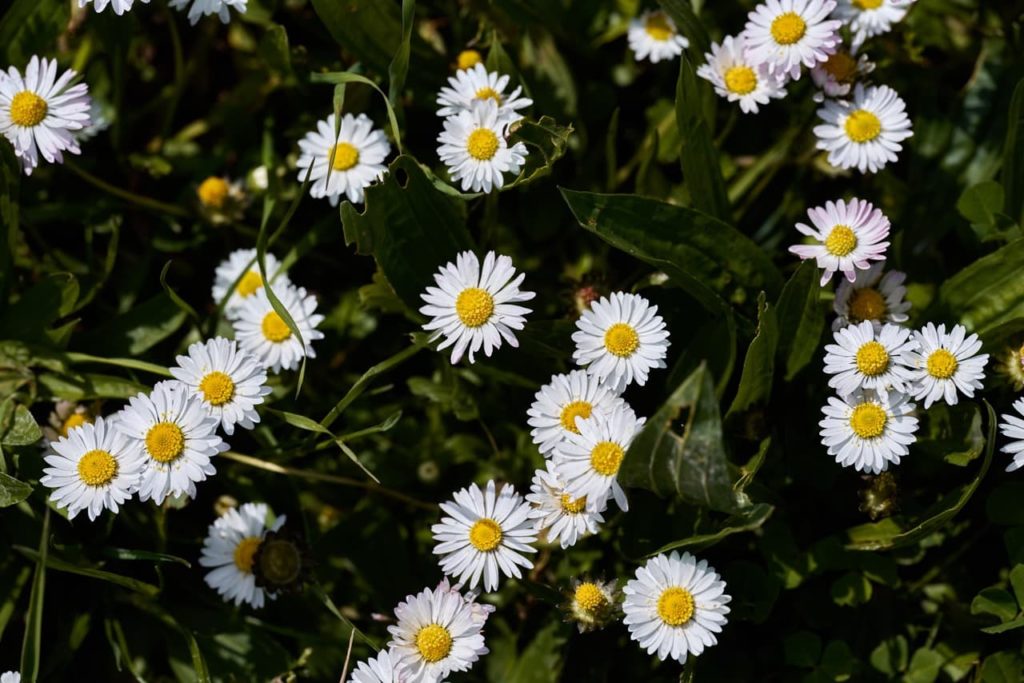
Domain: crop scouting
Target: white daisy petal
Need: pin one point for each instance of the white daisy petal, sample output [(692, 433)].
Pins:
[(654, 36), (559, 517), (835, 76), (119, 6), (870, 18), (204, 8), (862, 358), (562, 401)]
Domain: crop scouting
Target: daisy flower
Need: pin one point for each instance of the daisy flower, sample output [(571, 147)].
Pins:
[(93, 468), (204, 8), (264, 334), (474, 307), (484, 535), (229, 382), (216, 193), (675, 606), (119, 6), (869, 18), (589, 462), (592, 604), (849, 237), (229, 548), (862, 358), (871, 296), (10, 677), (379, 669), (835, 76), (39, 113), (438, 632), (477, 84), (653, 35), (868, 431), (467, 59), (738, 79), (558, 517), (241, 266), (945, 362), (171, 431), (1012, 427), (474, 148), (787, 33), (620, 339), (562, 401), (65, 416), (359, 153), (866, 133)]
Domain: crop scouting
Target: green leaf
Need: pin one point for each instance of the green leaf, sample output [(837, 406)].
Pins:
[(1011, 625), (924, 666), (547, 141), (689, 25), (539, 662), (31, 27), (275, 50), (89, 386), (369, 29), (702, 171), (116, 579), (995, 601), (838, 661), (31, 646), (399, 66), (1017, 583), (409, 228), (890, 657), (748, 520), (987, 293), (17, 426), (346, 77), (704, 256), (12, 491), (38, 308), (1003, 667), (311, 425), (799, 314), (1013, 156), (135, 331), (851, 589), (980, 203), (680, 453), (759, 363)]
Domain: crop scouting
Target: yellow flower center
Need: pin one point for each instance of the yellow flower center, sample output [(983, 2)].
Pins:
[(97, 468), (621, 340), (474, 306), (942, 364), (274, 327), (606, 457), (590, 597), (863, 126), (571, 506), (345, 156), (675, 606), (841, 241), (485, 535), (573, 410), (867, 304), (75, 419), (249, 283), (658, 27), (165, 442), (482, 144), (868, 420), (740, 80), (213, 191), (841, 66), (217, 388), (467, 59), (872, 359), (867, 4), (244, 552), (28, 109), (488, 93), (434, 642), (788, 28)]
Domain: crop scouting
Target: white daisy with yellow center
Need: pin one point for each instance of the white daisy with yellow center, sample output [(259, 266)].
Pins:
[(477, 84), (65, 416), (785, 34), (262, 332), (1012, 427), (40, 114), (835, 76), (438, 632), (589, 462), (675, 606), (92, 468), (229, 548), (119, 6), (475, 150), (475, 307), (738, 79), (868, 431), (862, 358), (620, 339), (848, 236), (870, 18), (204, 8), (239, 275), (346, 164), (871, 296), (563, 401), (379, 669), (864, 133), (175, 437), (946, 362), (557, 516), (653, 35), (484, 535), (229, 382)]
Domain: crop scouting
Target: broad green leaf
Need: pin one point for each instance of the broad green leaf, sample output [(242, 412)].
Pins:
[(31, 27), (12, 491), (988, 292), (135, 331), (90, 572), (39, 307), (759, 363), (924, 666), (891, 656), (369, 29), (1011, 625), (680, 453), (995, 601), (980, 203), (409, 228), (32, 644), (539, 661), (708, 258), (17, 426), (399, 66), (1003, 667), (1013, 156), (1017, 583), (748, 520), (851, 589), (546, 140), (838, 661), (89, 386), (701, 169), (800, 316)]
